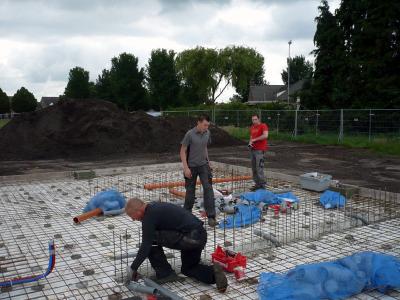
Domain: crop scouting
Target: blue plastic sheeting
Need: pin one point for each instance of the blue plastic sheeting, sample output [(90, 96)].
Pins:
[(245, 215), (261, 196), (288, 195), (331, 199), (267, 197), (107, 200), (334, 280)]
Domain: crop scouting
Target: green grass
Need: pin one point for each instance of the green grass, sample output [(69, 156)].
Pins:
[(3, 122), (379, 144)]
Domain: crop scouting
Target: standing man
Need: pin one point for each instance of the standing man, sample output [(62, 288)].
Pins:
[(171, 226), (258, 145), (194, 156)]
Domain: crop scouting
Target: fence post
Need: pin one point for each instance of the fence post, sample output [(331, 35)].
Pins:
[(277, 123), (295, 124), (213, 115), (341, 126), (370, 125), (316, 123)]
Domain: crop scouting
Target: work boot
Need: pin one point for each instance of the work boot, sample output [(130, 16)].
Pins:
[(172, 277), (212, 222), (220, 278)]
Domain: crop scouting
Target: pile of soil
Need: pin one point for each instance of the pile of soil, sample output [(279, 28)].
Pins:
[(95, 128)]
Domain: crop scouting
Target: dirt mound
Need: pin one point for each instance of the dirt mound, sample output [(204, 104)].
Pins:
[(94, 128)]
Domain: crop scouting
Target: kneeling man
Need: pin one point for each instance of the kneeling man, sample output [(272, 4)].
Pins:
[(171, 226)]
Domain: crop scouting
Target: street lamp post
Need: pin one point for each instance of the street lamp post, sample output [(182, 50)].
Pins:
[(288, 79)]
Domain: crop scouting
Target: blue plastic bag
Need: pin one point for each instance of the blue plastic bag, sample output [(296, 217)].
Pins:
[(261, 195), (107, 200), (331, 199), (288, 195), (245, 215), (338, 279)]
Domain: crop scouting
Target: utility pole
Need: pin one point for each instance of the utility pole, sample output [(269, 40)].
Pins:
[(288, 70)]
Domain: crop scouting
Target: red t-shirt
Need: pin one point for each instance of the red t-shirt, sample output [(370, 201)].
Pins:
[(256, 131)]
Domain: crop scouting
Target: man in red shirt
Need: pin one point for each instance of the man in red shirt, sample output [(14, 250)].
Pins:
[(258, 145)]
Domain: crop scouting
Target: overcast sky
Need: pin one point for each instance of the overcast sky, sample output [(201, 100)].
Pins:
[(40, 41)]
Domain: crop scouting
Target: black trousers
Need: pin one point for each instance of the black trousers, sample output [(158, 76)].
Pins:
[(204, 173), (191, 245)]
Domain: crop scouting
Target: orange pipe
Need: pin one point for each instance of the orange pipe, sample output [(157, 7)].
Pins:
[(177, 193), (93, 213), (153, 186), (230, 179)]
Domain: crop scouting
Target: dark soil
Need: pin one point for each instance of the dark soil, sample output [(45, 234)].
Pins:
[(94, 129)]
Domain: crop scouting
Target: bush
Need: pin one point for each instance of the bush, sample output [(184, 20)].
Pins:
[(23, 101), (4, 103)]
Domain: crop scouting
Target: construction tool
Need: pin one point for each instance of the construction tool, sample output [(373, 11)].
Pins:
[(230, 261)]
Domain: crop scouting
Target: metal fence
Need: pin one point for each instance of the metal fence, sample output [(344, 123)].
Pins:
[(8, 116), (369, 123)]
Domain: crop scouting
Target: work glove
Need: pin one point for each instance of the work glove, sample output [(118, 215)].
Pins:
[(131, 275)]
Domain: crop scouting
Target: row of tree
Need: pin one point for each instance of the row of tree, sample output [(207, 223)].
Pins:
[(22, 101), (192, 77), (357, 56)]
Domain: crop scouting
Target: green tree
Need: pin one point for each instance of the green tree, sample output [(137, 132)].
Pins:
[(103, 86), (23, 101), (4, 103), (371, 39), (330, 62), (78, 86), (299, 69), (206, 72), (162, 79), (247, 67), (127, 83), (197, 68)]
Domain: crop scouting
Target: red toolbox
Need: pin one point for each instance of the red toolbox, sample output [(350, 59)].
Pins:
[(228, 260)]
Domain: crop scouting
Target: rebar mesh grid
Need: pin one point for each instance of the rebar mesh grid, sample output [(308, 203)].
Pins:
[(34, 213)]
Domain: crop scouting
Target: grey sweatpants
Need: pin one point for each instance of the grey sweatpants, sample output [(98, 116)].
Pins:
[(257, 166)]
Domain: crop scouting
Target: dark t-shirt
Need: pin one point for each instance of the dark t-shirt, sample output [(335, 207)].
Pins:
[(162, 216)]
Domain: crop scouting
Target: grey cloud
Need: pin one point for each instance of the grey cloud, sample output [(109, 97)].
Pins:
[(47, 19), (58, 27), (294, 22), (177, 5)]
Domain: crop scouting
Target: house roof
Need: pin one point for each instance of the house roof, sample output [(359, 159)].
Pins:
[(295, 87), (269, 93), (47, 101), (263, 92)]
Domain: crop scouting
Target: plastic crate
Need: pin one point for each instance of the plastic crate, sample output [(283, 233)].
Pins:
[(228, 260), (315, 181)]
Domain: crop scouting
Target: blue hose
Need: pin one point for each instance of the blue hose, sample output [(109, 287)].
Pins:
[(50, 267)]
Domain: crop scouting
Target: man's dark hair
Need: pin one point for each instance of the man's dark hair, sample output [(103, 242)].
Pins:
[(255, 115), (203, 117)]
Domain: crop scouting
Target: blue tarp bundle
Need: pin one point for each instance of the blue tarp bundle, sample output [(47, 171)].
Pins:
[(331, 199), (261, 196), (108, 200), (334, 280), (267, 197), (288, 195), (245, 215)]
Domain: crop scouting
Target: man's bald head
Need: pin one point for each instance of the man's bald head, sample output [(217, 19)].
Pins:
[(135, 208)]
